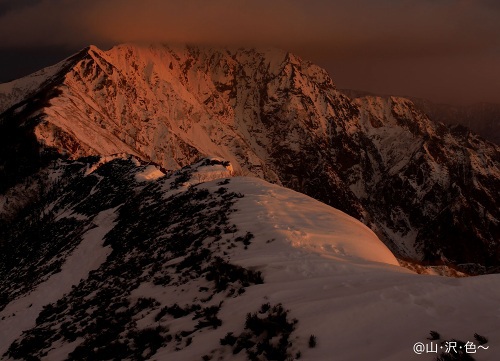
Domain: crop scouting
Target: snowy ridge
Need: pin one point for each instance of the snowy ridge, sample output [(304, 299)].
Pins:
[(87, 256), (214, 252), (17, 90), (306, 224)]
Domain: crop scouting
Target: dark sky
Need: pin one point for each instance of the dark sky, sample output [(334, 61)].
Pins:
[(444, 50)]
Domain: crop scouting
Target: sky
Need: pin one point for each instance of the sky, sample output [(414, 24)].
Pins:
[(442, 50)]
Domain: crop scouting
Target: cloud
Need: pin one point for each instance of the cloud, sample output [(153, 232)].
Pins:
[(7, 6), (328, 31), (350, 25)]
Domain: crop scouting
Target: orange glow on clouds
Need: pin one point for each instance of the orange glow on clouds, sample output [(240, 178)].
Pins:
[(400, 46)]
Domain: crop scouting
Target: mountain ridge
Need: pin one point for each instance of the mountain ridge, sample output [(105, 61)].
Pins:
[(85, 231), (275, 116), (482, 118), (110, 261)]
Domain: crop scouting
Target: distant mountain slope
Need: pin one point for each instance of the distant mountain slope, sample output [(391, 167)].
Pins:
[(430, 183), (113, 259), (431, 193), (481, 118)]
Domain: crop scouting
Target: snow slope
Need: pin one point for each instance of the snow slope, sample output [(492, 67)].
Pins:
[(18, 90), (306, 224), (89, 255), (329, 271)]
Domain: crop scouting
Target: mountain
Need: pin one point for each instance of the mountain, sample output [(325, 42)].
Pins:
[(429, 192), (114, 258), (432, 183), (481, 118)]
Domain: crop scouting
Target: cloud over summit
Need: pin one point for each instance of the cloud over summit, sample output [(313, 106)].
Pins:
[(370, 42)]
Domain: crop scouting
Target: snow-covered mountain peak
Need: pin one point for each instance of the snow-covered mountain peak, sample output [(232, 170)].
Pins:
[(139, 99)]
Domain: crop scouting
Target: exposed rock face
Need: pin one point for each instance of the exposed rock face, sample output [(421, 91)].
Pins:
[(431, 193), (435, 187)]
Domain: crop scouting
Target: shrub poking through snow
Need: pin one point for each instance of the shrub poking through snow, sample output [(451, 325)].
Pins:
[(208, 317), (480, 339), (223, 274), (312, 341), (266, 336), (434, 335), (229, 339), (246, 239)]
